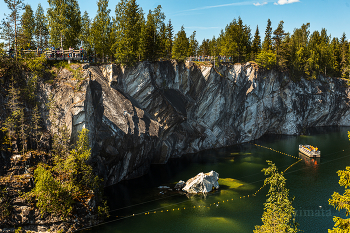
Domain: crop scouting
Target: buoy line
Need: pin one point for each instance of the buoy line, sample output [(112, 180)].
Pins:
[(166, 210)]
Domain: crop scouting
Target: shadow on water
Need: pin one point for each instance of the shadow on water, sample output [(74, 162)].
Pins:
[(311, 182)]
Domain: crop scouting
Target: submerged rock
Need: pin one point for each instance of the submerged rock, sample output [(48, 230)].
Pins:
[(180, 185), (202, 183)]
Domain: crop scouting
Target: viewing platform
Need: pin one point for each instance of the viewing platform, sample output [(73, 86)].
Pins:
[(52, 55)]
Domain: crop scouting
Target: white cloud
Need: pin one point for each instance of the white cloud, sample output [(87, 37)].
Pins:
[(202, 28), (259, 4), (282, 2), (223, 5)]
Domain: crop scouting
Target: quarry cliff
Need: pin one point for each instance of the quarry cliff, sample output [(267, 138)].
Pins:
[(155, 111)]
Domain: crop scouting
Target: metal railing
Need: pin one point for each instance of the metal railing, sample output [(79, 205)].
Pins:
[(50, 54)]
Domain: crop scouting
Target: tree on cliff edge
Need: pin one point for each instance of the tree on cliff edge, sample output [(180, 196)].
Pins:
[(267, 44), (181, 45), (101, 30), (13, 19), (127, 31), (41, 31), (64, 22), (278, 214)]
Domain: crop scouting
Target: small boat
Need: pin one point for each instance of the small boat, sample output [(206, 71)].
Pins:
[(310, 151)]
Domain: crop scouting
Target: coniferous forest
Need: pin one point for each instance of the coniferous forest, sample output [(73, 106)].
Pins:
[(65, 184), (129, 35)]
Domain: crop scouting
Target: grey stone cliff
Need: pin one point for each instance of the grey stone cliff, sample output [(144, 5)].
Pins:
[(156, 111)]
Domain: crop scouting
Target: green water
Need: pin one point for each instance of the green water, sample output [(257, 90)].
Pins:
[(310, 182)]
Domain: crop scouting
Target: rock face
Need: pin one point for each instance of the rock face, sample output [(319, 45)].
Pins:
[(156, 111), (202, 183)]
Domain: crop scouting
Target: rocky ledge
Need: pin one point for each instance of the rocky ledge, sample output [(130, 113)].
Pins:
[(156, 111)]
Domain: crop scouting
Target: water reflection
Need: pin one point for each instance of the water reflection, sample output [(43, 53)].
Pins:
[(310, 162), (312, 181)]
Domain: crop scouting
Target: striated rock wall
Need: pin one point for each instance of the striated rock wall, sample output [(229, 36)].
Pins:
[(154, 111)]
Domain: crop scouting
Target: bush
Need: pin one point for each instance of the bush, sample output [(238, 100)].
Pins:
[(69, 181), (266, 60)]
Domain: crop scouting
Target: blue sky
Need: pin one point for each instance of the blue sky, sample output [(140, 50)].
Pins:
[(207, 18)]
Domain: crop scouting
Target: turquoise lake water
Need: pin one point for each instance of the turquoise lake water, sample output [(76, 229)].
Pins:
[(140, 206)]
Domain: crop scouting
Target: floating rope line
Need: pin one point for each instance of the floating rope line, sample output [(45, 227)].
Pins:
[(215, 204)]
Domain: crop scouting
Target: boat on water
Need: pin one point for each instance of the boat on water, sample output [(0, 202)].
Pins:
[(310, 151)]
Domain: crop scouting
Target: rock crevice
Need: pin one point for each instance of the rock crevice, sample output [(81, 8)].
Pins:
[(155, 111)]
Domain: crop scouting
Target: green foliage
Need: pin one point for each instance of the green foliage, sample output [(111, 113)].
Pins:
[(64, 22), (103, 210), (27, 28), (41, 31), (127, 32), (235, 41), (11, 122), (52, 196), (169, 39), (278, 214), (341, 202), (100, 31), (266, 60), (12, 22), (256, 45), (149, 39), (69, 181), (85, 35), (35, 126), (193, 45), (7, 34), (23, 130), (267, 43), (181, 45), (5, 205)]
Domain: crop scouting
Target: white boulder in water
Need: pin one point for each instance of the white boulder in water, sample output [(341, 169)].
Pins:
[(202, 183)]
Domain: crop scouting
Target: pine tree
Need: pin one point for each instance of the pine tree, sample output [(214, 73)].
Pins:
[(181, 45), (298, 51), (256, 46), (27, 28), (169, 38), (243, 35), (279, 212), (344, 52), (127, 27), (204, 48), (23, 130), (193, 45), (7, 34), (279, 35), (70, 180), (41, 31), (85, 35), (101, 30), (35, 126), (15, 6), (335, 61), (11, 122), (213, 48), (150, 47), (267, 44), (162, 41), (64, 22)]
